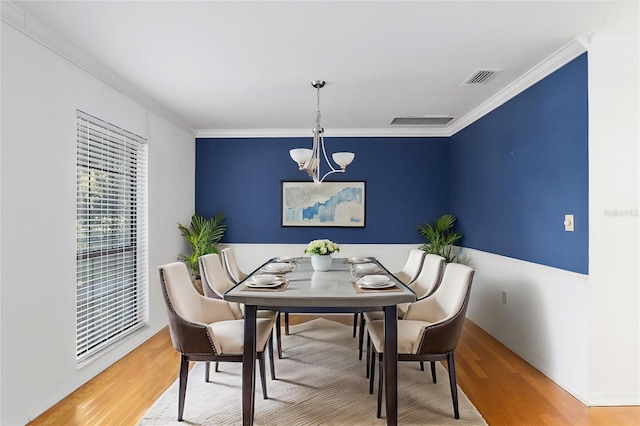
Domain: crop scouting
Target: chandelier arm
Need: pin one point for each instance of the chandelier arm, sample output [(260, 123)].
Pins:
[(326, 158), (331, 172)]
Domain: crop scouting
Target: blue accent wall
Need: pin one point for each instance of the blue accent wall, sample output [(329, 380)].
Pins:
[(407, 183), (518, 170)]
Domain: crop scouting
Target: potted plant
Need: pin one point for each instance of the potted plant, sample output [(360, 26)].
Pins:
[(203, 236), (440, 237), (320, 251)]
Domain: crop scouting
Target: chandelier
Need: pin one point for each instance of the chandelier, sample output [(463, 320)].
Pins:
[(309, 159)]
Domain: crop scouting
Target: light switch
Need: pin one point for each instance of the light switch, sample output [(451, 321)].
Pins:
[(568, 222)]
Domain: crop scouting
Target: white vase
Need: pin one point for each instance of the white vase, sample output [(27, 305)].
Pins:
[(321, 263)]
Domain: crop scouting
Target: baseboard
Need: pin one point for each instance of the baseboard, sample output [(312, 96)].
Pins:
[(614, 399)]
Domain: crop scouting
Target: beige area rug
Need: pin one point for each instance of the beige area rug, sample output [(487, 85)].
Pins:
[(320, 381)]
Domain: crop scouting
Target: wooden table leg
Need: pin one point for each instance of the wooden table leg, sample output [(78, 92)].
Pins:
[(249, 364), (391, 363)]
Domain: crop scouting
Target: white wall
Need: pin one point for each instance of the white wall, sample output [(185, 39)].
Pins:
[(40, 94), (614, 188), (545, 319)]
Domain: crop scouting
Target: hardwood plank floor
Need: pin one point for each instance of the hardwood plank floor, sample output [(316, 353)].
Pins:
[(504, 388)]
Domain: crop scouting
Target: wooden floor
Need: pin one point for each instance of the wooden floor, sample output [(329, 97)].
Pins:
[(504, 388)]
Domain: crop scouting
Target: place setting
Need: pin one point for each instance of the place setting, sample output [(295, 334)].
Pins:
[(359, 270), (265, 282), (277, 268), (357, 260), (292, 260), (370, 283)]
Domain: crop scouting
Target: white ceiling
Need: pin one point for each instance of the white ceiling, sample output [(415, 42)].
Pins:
[(247, 66)]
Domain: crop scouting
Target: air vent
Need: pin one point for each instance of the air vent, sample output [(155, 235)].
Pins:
[(421, 121), (479, 77)]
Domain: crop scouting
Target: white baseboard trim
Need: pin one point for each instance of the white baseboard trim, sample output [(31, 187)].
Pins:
[(601, 399)]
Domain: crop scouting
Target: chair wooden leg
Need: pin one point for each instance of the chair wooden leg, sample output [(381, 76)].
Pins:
[(451, 364), (263, 377), (372, 371), (421, 365), (355, 324), (217, 366), (433, 372), (182, 390), (272, 365), (380, 387), (279, 335), (286, 323), (368, 355), (361, 335), (207, 367)]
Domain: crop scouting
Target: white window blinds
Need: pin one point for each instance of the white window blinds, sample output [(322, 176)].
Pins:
[(111, 229)]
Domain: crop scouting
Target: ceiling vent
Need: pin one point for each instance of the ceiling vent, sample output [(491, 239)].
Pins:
[(479, 77), (421, 121)]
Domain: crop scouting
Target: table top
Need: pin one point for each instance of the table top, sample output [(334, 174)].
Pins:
[(309, 288)]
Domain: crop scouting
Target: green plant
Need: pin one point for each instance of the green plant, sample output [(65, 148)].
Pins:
[(203, 235), (440, 237), (322, 247)]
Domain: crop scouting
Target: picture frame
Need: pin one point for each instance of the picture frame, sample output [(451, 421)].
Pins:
[(334, 204)]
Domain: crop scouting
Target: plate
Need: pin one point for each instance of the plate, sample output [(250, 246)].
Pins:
[(359, 260), (276, 283), (373, 280), (388, 284), (367, 267), (286, 259), (263, 279), (256, 283), (278, 267)]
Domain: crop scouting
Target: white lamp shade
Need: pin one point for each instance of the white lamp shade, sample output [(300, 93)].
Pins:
[(343, 159), (301, 155)]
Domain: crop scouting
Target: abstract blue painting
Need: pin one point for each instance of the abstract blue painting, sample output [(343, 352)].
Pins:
[(323, 204)]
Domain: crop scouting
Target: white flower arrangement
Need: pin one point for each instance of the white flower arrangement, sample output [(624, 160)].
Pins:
[(322, 247)]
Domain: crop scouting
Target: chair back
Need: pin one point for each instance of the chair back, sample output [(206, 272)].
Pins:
[(214, 280), (412, 267), (184, 309), (451, 299), (231, 266), (430, 276)]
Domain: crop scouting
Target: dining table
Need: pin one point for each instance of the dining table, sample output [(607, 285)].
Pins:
[(304, 290)]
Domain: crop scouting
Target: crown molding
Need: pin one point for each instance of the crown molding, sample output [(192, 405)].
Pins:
[(330, 133), (34, 29), (555, 61), (39, 32)]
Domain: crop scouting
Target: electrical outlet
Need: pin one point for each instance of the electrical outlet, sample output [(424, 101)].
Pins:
[(504, 297)]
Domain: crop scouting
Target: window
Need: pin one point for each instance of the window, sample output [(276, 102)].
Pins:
[(111, 218)]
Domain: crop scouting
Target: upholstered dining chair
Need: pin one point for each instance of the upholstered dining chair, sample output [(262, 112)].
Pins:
[(215, 282), (231, 266), (406, 275), (430, 329), (206, 329), (427, 281), (236, 275)]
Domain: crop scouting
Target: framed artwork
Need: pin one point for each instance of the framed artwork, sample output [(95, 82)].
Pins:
[(339, 204)]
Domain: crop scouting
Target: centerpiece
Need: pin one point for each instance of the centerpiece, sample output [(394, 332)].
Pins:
[(320, 251)]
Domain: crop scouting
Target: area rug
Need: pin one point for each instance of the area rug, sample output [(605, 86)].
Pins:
[(320, 381)]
